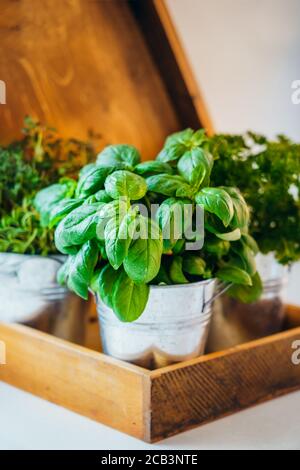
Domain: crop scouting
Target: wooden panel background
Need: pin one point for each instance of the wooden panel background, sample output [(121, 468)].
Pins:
[(79, 65)]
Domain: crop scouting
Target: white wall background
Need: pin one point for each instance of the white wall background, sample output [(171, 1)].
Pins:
[(245, 54)]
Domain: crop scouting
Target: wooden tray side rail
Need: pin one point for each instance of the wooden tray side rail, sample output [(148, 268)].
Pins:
[(220, 384)]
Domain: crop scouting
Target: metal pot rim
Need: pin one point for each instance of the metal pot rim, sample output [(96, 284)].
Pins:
[(189, 284)]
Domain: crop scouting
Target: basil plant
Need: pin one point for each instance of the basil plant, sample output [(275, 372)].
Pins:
[(118, 246)]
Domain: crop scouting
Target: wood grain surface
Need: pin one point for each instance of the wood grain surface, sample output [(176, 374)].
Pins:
[(84, 381), (208, 388), (167, 50), (81, 65)]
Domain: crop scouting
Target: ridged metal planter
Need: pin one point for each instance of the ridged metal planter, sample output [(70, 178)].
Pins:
[(30, 295), (234, 322), (173, 327)]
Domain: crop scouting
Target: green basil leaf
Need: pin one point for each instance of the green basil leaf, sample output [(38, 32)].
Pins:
[(102, 196), (195, 166), (179, 142), (179, 247), (92, 181), (172, 218), (125, 184), (230, 236), (81, 269), (63, 272), (101, 247), (46, 199), (77, 227), (129, 299), (194, 265), (169, 185), (218, 202), (118, 236), (176, 271), (246, 258), (184, 137), (199, 137), (94, 283), (153, 167), (217, 247), (144, 255), (116, 209), (162, 277), (86, 169), (241, 216), (171, 153), (106, 284), (216, 227), (61, 209), (115, 154), (248, 294), (235, 275), (250, 242)]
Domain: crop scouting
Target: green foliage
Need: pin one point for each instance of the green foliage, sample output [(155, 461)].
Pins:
[(129, 250), (123, 183), (218, 202), (143, 259), (268, 175), (21, 231), (81, 268), (40, 159)]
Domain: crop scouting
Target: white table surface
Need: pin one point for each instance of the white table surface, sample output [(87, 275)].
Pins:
[(27, 422)]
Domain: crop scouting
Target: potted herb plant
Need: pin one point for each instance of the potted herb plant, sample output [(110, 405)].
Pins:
[(28, 258), (150, 239), (268, 175)]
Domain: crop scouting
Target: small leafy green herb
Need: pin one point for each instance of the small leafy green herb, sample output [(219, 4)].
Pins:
[(113, 155), (118, 237), (81, 268), (268, 175), (169, 185), (123, 183), (92, 181), (176, 271), (195, 166), (39, 159), (129, 299), (143, 259), (217, 201), (119, 251), (78, 227), (152, 168), (168, 213), (234, 274)]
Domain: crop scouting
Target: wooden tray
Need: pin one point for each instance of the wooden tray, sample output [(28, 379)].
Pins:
[(151, 405), (118, 67)]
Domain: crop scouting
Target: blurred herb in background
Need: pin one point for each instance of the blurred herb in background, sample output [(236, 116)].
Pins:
[(41, 158), (268, 174)]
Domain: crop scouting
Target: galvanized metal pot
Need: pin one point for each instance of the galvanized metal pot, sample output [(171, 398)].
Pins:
[(235, 323), (173, 327), (30, 295)]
